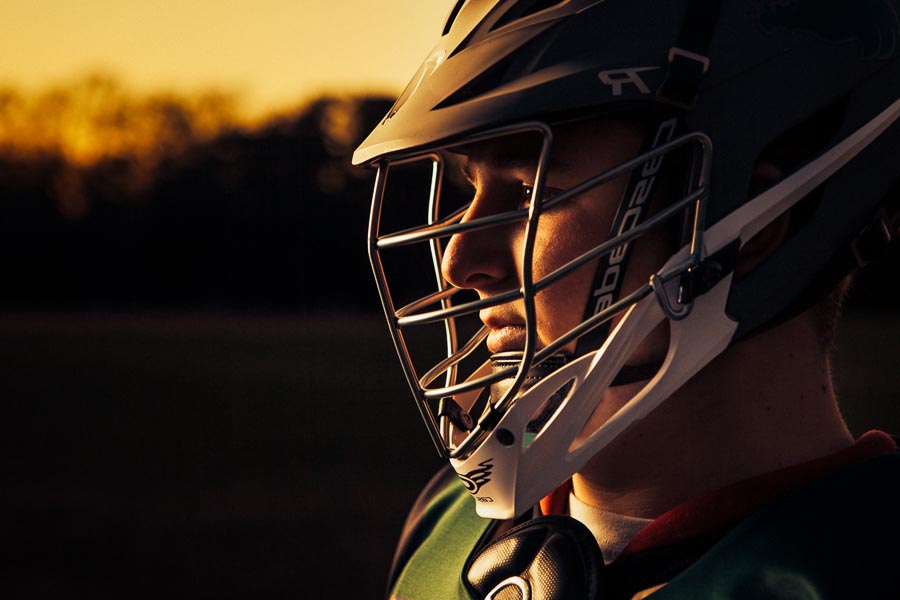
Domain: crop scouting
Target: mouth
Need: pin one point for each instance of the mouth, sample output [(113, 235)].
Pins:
[(505, 338), (506, 331)]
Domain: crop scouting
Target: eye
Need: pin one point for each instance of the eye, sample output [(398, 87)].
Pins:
[(528, 193), (525, 197)]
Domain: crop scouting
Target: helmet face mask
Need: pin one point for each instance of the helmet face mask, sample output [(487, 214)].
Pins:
[(466, 395), (516, 425)]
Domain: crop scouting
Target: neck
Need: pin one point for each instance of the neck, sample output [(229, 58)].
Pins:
[(764, 404)]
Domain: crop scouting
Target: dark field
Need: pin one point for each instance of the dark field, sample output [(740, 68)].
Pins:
[(223, 456)]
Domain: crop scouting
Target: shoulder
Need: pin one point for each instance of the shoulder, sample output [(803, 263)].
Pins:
[(433, 502), (440, 536), (832, 537)]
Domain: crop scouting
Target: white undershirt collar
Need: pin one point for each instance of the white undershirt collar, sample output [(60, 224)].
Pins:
[(612, 531)]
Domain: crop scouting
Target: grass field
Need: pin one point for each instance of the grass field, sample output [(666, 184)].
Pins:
[(224, 456)]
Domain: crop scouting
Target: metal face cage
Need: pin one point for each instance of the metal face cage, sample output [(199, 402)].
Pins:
[(457, 434)]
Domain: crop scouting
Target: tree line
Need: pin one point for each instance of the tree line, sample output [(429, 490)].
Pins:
[(167, 201)]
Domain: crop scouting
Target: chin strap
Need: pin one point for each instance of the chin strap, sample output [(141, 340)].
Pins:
[(504, 360)]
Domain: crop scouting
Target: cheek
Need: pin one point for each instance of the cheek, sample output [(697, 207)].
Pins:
[(561, 306)]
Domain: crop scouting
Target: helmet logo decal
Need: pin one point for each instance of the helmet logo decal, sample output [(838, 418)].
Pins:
[(873, 24), (617, 78), (605, 293), (474, 479)]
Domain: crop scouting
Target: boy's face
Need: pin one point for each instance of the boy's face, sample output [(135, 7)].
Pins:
[(489, 261)]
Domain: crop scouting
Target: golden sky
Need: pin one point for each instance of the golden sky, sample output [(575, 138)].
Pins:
[(273, 53)]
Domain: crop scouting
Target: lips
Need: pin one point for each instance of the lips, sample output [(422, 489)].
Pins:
[(508, 337), (507, 331)]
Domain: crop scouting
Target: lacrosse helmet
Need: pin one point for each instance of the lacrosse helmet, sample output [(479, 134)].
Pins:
[(716, 83)]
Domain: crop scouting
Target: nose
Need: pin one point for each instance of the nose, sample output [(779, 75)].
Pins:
[(482, 259)]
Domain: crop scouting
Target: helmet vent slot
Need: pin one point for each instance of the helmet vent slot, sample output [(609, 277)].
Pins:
[(546, 412), (519, 64), (521, 10)]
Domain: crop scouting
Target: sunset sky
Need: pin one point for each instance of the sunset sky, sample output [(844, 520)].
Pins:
[(272, 53)]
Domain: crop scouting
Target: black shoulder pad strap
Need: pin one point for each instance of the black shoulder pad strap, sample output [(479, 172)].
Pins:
[(548, 558)]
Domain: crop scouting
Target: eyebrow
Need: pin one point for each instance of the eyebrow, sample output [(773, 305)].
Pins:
[(511, 163)]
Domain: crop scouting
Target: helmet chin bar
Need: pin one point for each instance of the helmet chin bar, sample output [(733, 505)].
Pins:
[(513, 465), (512, 472)]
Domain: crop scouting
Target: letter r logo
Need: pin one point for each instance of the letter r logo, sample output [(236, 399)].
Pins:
[(616, 78)]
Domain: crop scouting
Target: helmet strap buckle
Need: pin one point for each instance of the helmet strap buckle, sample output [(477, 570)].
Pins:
[(460, 418)]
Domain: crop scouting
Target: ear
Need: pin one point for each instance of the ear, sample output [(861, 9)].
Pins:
[(761, 245)]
